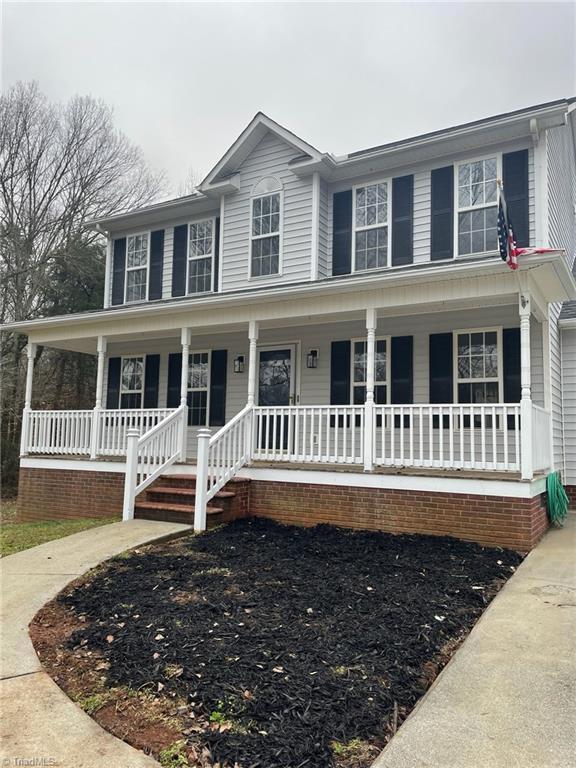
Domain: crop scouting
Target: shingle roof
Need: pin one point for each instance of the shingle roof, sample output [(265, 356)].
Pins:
[(568, 311)]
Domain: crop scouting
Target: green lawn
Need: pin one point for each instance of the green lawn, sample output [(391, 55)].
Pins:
[(14, 537)]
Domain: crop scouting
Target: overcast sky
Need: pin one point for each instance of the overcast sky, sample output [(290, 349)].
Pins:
[(184, 79)]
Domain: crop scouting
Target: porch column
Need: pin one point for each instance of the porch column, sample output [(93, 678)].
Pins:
[(526, 436), (369, 403), (95, 437), (185, 339), (253, 339), (31, 354)]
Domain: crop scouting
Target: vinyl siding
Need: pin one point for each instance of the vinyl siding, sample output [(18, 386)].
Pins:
[(324, 244), (561, 164), (269, 158), (314, 384), (569, 390)]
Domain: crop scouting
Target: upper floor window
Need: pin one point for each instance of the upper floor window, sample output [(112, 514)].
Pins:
[(198, 388), (137, 267), (478, 366), (477, 206), (371, 218), (200, 256), (265, 235), (359, 364), (132, 382)]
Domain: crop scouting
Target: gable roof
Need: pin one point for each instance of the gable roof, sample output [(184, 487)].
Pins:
[(247, 141)]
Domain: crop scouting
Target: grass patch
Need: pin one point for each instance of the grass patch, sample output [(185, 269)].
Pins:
[(91, 704), (174, 756), (15, 537)]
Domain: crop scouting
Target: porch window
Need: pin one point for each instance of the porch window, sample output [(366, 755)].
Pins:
[(381, 372), (200, 256), (265, 236), (478, 366), (198, 388), (371, 226), (132, 382), (477, 206), (136, 267)]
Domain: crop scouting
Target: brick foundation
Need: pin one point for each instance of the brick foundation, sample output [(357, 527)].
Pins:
[(504, 521), (571, 491), (60, 494)]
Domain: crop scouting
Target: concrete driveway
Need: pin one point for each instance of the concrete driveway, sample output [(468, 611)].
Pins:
[(40, 725)]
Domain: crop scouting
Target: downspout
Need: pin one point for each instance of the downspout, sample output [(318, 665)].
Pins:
[(108, 265)]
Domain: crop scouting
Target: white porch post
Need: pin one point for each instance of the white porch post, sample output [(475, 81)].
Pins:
[(184, 388), (31, 353), (526, 435), (201, 481), (369, 404), (132, 438), (101, 347), (253, 329)]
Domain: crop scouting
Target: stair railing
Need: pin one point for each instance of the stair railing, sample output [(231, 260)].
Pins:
[(149, 455), (219, 458)]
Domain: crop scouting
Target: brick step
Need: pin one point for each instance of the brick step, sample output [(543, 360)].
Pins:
[(174, 513), (185, 493)]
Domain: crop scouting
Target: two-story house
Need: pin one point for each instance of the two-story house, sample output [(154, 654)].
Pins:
[(339, 332)]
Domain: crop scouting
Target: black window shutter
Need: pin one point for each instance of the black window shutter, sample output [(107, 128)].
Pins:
[(216, 253), (440, 368), (151, 378), (113, 390), (511, 357), (174, 379), (342, 233), (218, 370), (515, 178), (402, 369), (402, 220), (179, 260), (340, 373), (118, 270), (442, 213), (156, 264)]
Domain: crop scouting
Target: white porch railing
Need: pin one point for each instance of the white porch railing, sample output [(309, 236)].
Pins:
[(113, 425), (57, 432), (149, 455), (219, 458), (485, 437), (320, 434), (541, 439)]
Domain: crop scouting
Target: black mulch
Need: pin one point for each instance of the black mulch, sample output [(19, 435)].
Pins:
[(298, 637)]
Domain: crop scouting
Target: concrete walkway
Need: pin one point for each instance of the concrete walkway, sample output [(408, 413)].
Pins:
[(39, 722), (508, 697)]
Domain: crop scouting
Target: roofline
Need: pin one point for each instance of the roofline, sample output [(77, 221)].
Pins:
[(370, 280), (174, 202), (567, 322)]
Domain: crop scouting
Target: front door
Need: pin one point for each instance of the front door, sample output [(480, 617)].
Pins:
[(276, 388)]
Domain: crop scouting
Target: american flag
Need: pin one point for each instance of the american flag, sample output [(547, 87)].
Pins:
[(509, 251)]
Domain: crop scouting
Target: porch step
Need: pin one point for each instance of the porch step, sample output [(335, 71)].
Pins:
[(176, 495), (174, 513)]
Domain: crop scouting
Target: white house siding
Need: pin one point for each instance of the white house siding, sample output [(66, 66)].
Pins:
[(561, 163), (314, 384), (569, 398), (269, 158), (324, 244)]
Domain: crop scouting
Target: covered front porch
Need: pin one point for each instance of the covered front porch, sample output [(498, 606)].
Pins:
[(427, 376)]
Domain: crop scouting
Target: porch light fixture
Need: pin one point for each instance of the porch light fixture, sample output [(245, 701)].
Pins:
[(239, 364), (312, 359)]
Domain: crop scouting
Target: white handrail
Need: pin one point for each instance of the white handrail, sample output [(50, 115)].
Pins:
[(57, 432), (149, 455), (113, 425)]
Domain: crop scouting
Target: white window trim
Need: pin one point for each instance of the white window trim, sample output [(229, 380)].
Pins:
[(388, 224), (458, 210), (132, 391), (197, 258), (387, 383), (201, 389), (280, 233), (134, 269), (499, 379)]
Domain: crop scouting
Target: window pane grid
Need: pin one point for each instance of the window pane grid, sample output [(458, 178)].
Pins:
[(131, 382), (359, 364), (478, 367), (200, 256), (477, 206), (265, 257), (371, 226), (198, 386), (136, 267)]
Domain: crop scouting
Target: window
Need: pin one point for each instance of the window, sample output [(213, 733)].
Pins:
[(198, 388), (200, 256), (265, 241), (371, 226), (132, 382), (478, 365), (381, 371), (137, 267), (477, 206)]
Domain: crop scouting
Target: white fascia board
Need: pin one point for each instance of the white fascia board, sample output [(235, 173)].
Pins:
[(567, 322), (156, 213)]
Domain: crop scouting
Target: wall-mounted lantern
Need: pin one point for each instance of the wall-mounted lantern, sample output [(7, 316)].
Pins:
[(239, 364), (312, 359)]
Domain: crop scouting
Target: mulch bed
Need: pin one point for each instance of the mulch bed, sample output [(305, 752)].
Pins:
[(268, 646)]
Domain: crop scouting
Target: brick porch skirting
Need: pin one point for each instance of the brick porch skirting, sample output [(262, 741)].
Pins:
[(61, 494), (571, 491)]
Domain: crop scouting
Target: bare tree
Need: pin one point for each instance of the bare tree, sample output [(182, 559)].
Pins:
[(60, 165), (189, 183)]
